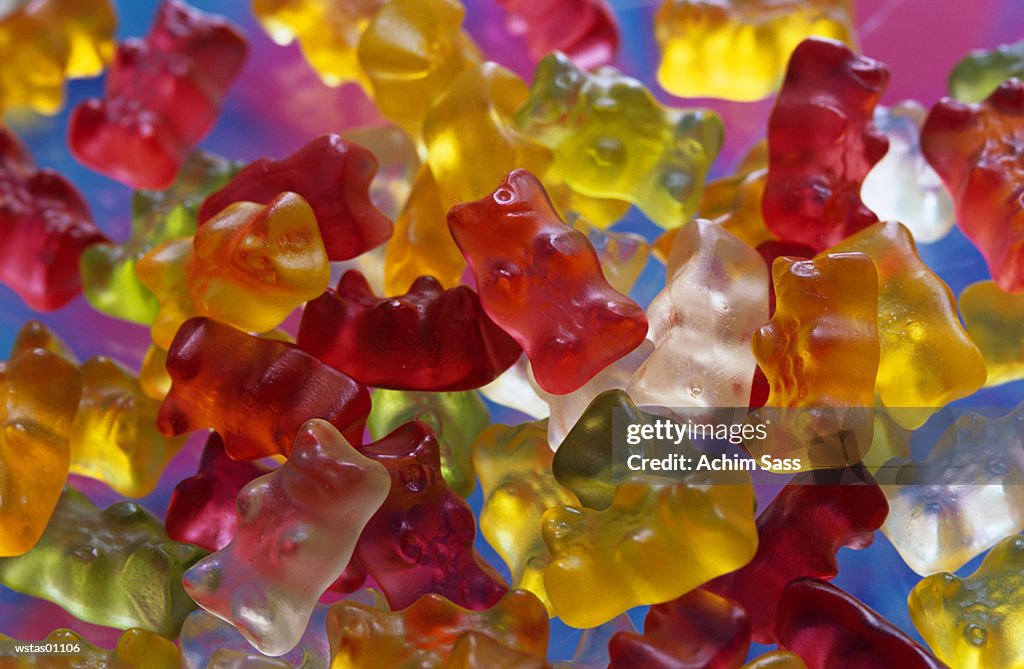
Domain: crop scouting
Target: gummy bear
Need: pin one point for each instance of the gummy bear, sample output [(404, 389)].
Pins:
[(398, 161), (250, 266), (612, 139), (566, 410), (47, 41), (108, 270), (592, 650), (963, 498), (163, 94), (825, 320), (202, 507), (136, 649), (584, 30), (424, 634), (521, 254), (297, 528), (513, 463), (654, 543), (516, 389), (421, 540), (333, 175), (822, 143), (995, 322), (455, 418), (327, 30), (981, 71), (475, 650), (926, 359), (738, 49), (422, 245), (973, 622), (45, 225), (411, 51), (471, 137), (975, 148), (623, 255), (700, 630), (903, 186), (153, 377), (255, 392), (830, 628), (39, 395), (114, 567), (702, 322), (427, 339), (799, 534)]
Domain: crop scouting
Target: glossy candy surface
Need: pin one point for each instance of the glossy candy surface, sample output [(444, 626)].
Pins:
[(822, 143), (975, 148), (255, 392), (267, 583), (576, 324), (163, 94), (427, 339)]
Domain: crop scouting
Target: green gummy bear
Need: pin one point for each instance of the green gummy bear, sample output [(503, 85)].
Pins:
[(113, 567), (108, 270), (456, 418), (980, 72)]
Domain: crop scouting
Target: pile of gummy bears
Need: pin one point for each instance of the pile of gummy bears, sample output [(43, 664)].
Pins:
[(339, 326)]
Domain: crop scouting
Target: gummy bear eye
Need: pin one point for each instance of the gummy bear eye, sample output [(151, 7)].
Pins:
[(504, 196)]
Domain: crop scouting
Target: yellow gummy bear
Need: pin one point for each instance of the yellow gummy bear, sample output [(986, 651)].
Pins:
[(976, 622), (612, 139), (39, 394), (739, 49), (421, 244), (513, 464), (471, 138), (927, 360), (411, 51), (328, 32), (249, 266), (826, 319), (995, 321), (136, 649), (653, 544), (44, 42), (114, 437)]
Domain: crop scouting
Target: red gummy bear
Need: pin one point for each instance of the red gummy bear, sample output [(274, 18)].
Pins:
[(584, 30), (830, 628), (421, 539), (202, 508), (428, 339), (44, 227), (255, 392), (163, 94), (822, 143), (333, 175), (977, 150), (799, 533), (541, 281), (699, 630)]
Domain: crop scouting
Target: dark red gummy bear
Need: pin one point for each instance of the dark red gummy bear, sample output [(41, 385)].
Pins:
[(421, 539), (700, 630), (822, 143), (584, 30), (255, 392), (330, 173), (162, 95), (830, 628), (203, 512), (978, 150), (44, 227), (799, 533), (541, 281), (428, 339)]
